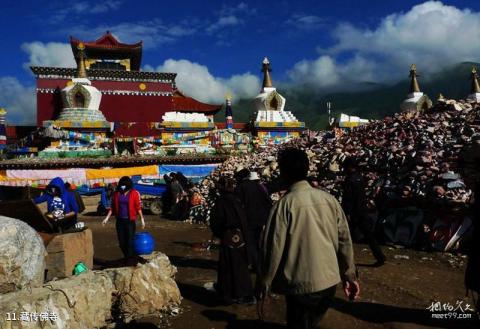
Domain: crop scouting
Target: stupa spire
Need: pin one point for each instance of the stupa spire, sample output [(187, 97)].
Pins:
[(81, 69), (267, 81), (475, 86), (414, 87)]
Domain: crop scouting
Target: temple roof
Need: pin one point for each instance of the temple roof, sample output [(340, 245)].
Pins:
[(108, 47), (69, 73), (182, 103)]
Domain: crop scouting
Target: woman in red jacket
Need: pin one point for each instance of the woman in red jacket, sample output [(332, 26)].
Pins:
[(126, 206)]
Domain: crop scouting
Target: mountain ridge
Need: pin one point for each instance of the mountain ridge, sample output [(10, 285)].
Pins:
[(310, 105)]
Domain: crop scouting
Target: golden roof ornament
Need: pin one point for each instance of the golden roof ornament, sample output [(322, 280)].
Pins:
[(81, 69), (414, 87), (475, 87), (267, 81)]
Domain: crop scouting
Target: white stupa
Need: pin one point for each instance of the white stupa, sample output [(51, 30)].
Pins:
[(81, 102), (475, 89), (269, 104), (416, 100), (273, 125)]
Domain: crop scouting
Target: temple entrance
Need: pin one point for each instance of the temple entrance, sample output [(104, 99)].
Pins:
[(79, 100), (274, 103)]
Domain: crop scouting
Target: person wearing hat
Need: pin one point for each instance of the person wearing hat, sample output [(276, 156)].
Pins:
[(354, 204), (257, 204)]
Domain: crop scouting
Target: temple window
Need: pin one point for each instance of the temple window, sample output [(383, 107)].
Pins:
[(79, 100), (274, 103)]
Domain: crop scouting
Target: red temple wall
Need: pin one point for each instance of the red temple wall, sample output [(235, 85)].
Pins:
[(116, 108)]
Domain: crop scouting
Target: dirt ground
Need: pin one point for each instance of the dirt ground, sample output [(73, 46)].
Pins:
[(395, 295)]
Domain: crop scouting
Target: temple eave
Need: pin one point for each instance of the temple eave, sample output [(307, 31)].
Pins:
[(97, 44)]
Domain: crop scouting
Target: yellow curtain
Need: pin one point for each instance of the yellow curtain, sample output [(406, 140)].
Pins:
[(119, 172)]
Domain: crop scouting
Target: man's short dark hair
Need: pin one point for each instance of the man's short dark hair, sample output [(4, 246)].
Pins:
[(293, 164)]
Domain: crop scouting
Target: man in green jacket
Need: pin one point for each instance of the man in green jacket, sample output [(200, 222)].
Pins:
[(306, 248)]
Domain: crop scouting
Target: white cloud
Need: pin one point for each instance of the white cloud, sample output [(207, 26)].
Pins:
[(322, 72), (224, 22), (18, 100), (80, 8), (196, 81), (305, 22), (105, 6), (153, 33), (229, 17), (432, 35), (48, 54), (241, 9)]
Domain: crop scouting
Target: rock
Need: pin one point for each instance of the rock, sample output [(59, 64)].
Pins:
[(66, 250), (22, 256), (83, 301), (401, 257), (146, 289)]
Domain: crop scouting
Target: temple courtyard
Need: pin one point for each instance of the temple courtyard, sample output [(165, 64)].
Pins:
[(400, 294)]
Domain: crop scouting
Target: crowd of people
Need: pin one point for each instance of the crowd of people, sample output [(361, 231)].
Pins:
[(428, 161), (182, 200), (280, 242)]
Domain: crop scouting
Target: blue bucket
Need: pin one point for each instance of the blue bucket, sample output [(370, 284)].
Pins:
[(143, 243)]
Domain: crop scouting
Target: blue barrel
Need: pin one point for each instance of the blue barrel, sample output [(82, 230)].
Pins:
[(143, 243)]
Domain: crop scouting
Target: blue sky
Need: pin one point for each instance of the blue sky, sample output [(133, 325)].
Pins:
[(217, 46)]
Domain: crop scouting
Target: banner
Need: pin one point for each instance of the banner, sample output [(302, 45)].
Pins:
[(119, 172)]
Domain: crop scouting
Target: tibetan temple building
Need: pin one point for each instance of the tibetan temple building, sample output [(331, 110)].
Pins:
[(133, 101)]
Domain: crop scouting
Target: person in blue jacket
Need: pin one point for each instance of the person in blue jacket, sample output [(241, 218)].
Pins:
[(62, 207)]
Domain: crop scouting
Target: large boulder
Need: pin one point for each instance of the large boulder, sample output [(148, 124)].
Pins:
[(22, 256), (66, 250), (146, 289), (78, 302)]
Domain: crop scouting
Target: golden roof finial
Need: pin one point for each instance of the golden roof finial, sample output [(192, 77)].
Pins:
[(228, 96), (3, 111), (81, 69), (475, 87), (414, 87), (267, 81)]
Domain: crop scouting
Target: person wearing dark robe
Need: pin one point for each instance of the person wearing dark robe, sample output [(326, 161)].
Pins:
[(354, 204), (177, 192), (229, 224), (184, 182), (257, 203), (167, 196)]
